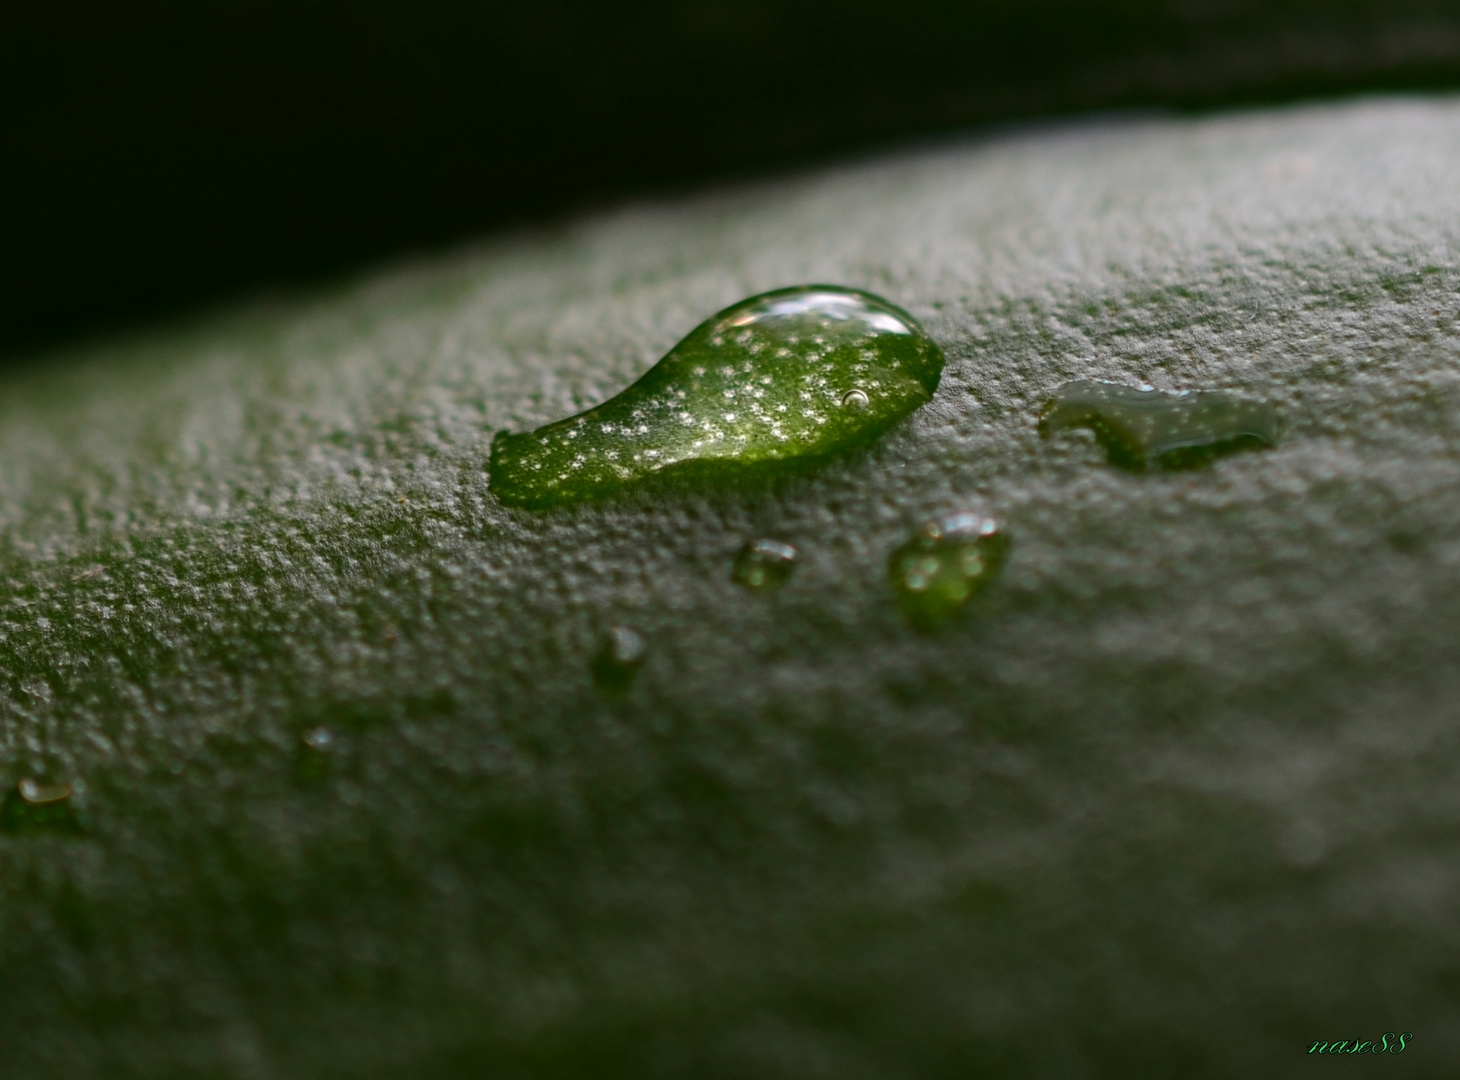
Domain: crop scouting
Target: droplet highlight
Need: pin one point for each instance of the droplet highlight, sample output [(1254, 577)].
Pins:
[(947, 563), (764, 564), (620, 657), (1142, 427), (35, 806), (795, 373)]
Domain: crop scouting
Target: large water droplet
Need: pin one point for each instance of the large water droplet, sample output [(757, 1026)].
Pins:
[(795, 373), (620, 657), (950, 560), (35, 806), (764, 564), (1142, 426)]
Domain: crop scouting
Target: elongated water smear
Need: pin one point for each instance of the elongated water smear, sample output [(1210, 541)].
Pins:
[(796, 373), (1142, 426)]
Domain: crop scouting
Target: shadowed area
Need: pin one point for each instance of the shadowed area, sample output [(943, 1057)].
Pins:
[(160, 154)]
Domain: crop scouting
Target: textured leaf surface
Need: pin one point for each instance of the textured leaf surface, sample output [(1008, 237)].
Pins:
[(1177, 796)]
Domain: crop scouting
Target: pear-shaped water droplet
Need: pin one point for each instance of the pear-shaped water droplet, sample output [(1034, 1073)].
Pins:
[(795, 373), (1142, 426), (764, 564), (36, 806), (621, 655), (947, 562)]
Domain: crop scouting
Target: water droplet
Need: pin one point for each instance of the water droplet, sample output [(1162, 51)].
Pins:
[(623, 651), (320, 739), (37, 794), (776, 377), (764, 564), (315, 757), (1142, 426), (951, 559), (35, 806)]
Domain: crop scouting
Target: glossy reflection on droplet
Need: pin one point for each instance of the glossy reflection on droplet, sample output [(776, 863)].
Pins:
[(1141, 427), (619, 658), (948, 562), (764, 564), (796, 373), (36, 806)]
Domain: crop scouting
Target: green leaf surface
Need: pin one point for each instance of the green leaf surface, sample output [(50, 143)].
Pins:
[(1174, 795)]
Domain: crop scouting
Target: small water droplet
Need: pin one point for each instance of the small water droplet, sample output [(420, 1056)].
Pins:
[(1142, 426), (321, 739), (621, 656), (38, 794), (949, 561), (764, 564), (315, 757), (36, 806), (812, 348)]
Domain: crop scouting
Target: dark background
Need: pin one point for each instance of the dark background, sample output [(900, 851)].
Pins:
[(156, 154)]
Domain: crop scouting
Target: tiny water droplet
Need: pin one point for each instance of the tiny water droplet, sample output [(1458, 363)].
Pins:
[(945, 564), (764, 564), (316, 753), (623, 652), (35, 806), (776, 377), (38, 794), (320, 739), (1142, 426)]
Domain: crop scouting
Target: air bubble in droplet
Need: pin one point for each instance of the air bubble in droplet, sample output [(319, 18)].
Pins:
[(949, 561), (764, 564), (810, 341)]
